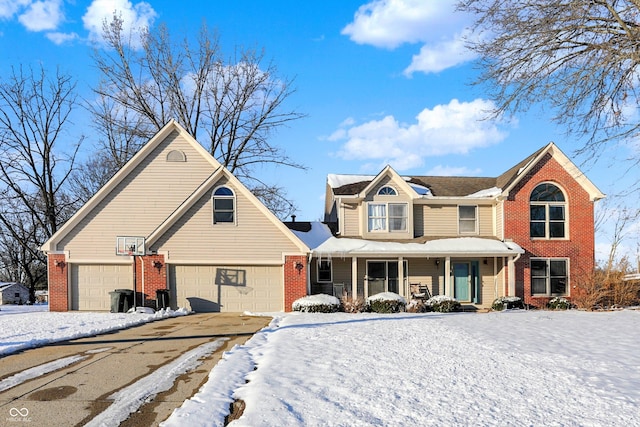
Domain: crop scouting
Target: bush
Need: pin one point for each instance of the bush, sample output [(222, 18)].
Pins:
[(443, 304), (508, 303), (386, 302), (320, 303), (559, 303), (353, 305)]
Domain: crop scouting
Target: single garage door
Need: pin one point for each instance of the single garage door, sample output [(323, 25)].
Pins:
[(91, 284), (227, 288)]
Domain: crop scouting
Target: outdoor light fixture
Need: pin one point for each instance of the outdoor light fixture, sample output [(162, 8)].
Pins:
[(60, 264), (298, 266), (437, 261), (158, 265)]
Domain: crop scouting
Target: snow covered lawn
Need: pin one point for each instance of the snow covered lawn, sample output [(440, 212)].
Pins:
[(511, 368)]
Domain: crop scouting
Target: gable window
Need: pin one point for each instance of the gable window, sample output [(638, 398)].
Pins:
[(387, 216), (223, 205), (547, 212), (324, 270), (549, 277), (387, 191), (468, 219)]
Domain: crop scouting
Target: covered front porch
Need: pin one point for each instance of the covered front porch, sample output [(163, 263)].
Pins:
[(474, 271)]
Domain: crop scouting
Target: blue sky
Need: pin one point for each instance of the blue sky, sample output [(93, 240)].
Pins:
[(382, 82)]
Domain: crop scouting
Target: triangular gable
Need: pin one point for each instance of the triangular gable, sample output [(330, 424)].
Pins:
[(149, 147), (397, 179), (562, 159), (207, 186)]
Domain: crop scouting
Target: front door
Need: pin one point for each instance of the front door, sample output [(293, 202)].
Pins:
[(462, 281), (376, 276)]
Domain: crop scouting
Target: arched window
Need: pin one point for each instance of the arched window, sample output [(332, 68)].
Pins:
[(223, 205), (547, 212), (387, 191)]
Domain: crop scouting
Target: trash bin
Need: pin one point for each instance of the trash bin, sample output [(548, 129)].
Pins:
[(121, 300), (162, 299)]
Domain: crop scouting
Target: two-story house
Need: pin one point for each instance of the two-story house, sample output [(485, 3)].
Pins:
[(528, 232)]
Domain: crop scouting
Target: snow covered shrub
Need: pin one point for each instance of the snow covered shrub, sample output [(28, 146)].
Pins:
[(386, 302), (353, 305), (558, 303), (320, 303), (443, 304), (503, 303)]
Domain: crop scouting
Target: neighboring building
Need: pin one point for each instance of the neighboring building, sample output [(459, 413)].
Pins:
[(527, 233), (174, 219), (13, 293)]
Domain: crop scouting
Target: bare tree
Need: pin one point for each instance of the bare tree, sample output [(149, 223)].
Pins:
[(36, 158), (580, 58), (232, 106)]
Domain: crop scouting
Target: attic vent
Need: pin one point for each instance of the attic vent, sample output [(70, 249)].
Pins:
[(176, 156)]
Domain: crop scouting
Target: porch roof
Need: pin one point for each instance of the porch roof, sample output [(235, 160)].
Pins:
[(453, 247)]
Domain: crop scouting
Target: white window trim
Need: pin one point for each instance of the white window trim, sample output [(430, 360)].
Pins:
[(477, 225), (387, 195), (387, 229), (213, 206), (547, 221), (548, 276)]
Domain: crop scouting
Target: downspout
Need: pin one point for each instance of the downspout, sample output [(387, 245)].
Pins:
[(143, 277), (512, 275)]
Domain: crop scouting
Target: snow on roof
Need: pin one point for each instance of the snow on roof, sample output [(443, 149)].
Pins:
[(441, 247), (318, 234), (335, 180), (420, 189), (489, 192)]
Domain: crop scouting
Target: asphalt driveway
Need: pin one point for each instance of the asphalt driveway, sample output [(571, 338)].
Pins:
[(75, 394)]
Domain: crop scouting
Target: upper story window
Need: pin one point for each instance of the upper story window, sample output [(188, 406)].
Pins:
[(547, 212), (223, 205), (388, 216), (468, 219), (387, 191), (549, 277)]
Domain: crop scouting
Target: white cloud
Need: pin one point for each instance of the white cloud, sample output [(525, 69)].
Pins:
[(453, 171), (42, 15), (435, 24), (8, 8), (135, 17), (454, 128), (60, 38)]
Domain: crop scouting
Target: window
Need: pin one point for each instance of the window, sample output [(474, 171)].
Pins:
[(388, 216), (223, 205), (324, 270), (547, 212), (387, 191), (549, 277), (467, 219)]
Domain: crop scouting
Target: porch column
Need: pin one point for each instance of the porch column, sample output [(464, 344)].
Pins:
[(512, 276), (401, 287), (447, 276), (354, 277)]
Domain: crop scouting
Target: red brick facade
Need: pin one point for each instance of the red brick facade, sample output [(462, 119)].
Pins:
[(58, 271), (578, 246), (295, 279), (151, 275)]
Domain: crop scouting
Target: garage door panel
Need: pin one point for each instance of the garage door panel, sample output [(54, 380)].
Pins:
[(91, 284), (228, 288)]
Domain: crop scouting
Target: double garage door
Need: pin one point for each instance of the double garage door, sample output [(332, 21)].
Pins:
[(227, 288), (200, 288), (91, 284)]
